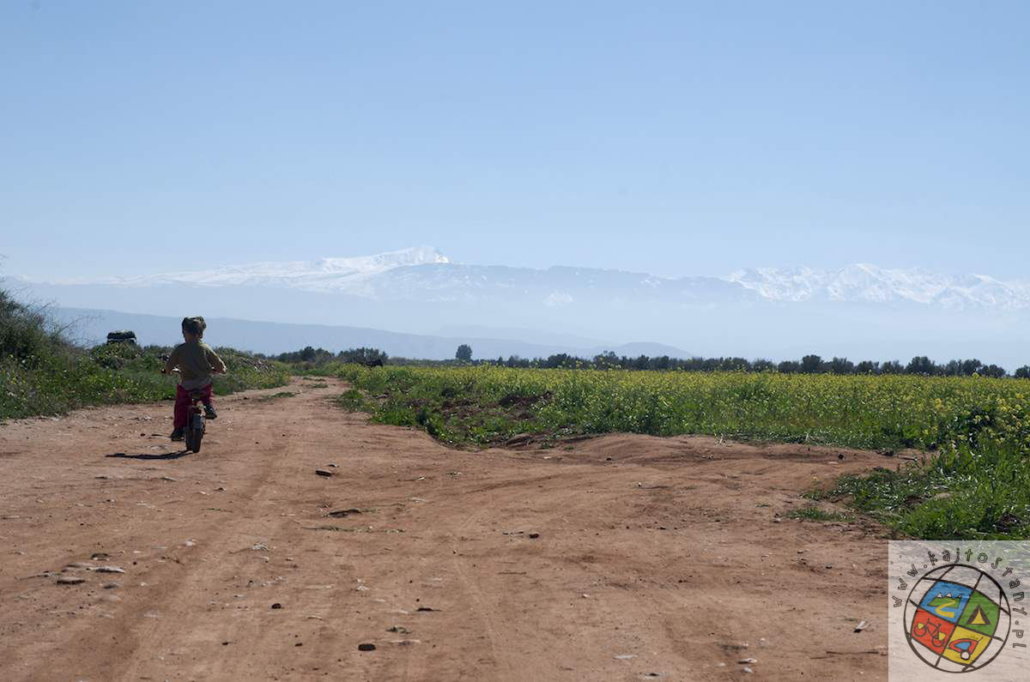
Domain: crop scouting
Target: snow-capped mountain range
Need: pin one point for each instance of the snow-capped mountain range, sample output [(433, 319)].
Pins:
[(425, 273), (860, 311), (325, 274), (872, 284)]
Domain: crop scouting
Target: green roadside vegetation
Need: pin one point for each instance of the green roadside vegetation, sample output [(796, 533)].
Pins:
[(41, 373), (971, 481), (973, 489)]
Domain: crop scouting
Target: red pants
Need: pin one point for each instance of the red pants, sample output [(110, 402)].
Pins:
[(182, 403)]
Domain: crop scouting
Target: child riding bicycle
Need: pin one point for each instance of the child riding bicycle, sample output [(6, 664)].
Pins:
[(195, 362)]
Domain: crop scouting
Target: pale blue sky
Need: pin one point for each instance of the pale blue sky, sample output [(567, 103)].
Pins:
[(670, 137)]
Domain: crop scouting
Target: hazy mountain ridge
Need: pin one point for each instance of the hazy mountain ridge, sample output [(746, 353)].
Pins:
[(423, 273), (90, 327)]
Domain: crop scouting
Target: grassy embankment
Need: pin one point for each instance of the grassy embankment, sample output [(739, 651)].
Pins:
[(42, 374), (974, 481)]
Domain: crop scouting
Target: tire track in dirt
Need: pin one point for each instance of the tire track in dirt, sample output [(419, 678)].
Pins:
[(191, 593)]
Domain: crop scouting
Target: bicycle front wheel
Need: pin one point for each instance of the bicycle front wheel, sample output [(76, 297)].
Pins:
[(195, 433)]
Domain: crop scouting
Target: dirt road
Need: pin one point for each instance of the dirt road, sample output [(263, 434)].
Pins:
[(617, 558)]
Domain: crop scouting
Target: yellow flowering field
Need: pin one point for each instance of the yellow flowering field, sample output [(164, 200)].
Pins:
[(861, 411)]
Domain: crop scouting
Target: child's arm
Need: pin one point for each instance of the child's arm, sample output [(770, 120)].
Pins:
[(217, 366), (171, 362)]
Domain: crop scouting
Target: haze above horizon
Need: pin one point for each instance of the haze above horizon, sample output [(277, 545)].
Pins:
[(672, 138)]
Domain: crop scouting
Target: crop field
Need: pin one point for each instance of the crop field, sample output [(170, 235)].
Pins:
[(972, 481), (857, 411)]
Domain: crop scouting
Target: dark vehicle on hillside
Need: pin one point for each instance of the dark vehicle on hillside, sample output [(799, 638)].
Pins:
[(123, 336)]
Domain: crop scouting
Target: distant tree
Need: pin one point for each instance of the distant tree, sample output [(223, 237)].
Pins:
[(464, 353), (606, 360), (892, 367), (789, 367), (969, 367), (992, 371), (309, 355), (734, 364), (1023, 372), (921, 365), (842, 366), (811, 364), (762, 365), (562, 361), (696, 365), (960, 368), (867, 367)]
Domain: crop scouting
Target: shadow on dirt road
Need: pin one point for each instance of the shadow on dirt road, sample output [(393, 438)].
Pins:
[(149, 455)]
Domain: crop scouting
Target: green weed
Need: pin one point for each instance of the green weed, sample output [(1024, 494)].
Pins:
[(813, 513)]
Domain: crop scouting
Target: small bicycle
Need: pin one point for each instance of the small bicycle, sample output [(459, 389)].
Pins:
[(196, 423)]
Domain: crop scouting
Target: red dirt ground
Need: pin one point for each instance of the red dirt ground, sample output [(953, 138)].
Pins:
[(616, 558)]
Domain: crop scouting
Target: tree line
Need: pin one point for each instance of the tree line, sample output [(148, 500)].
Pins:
[(809, 364)]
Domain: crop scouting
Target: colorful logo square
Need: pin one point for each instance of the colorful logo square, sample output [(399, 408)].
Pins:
[(946, 600), (981, 614), (965, 646), (931, 631)]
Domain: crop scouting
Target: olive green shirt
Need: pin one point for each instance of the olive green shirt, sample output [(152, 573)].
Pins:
[(195, 360)]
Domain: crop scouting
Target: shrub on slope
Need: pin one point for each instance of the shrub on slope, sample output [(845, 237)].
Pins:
[(41, 373)]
